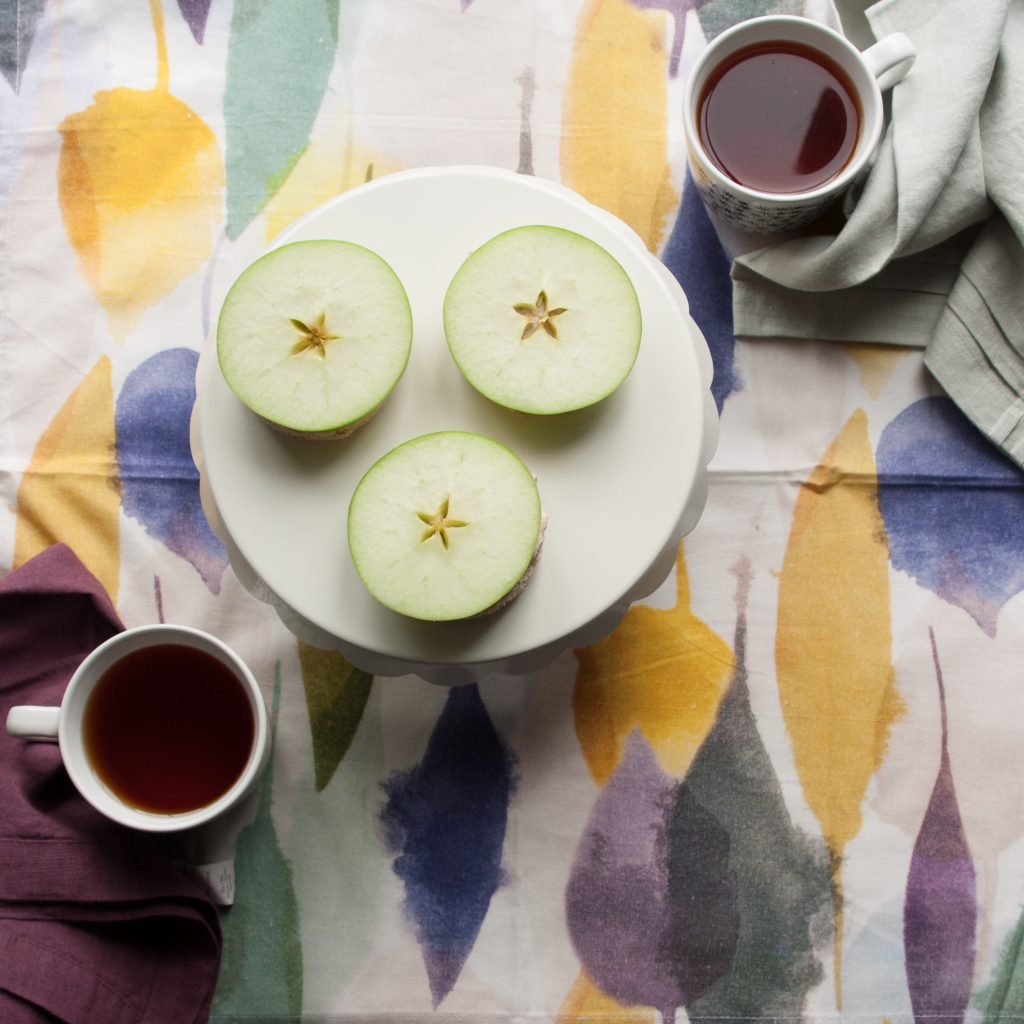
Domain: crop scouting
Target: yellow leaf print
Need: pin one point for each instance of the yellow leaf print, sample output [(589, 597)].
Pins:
[(876, 363), (833, 645), (662, 672), (70, 492), (328, 166), (140, 179), (614, 147), (585, 1003)]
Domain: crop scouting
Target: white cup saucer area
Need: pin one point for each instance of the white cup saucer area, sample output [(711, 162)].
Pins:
[(621, 482)]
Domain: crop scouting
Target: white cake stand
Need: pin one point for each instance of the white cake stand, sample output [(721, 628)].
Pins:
[(621, 483)]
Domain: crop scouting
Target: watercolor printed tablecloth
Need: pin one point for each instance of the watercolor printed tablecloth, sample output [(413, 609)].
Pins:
[(789, 786)]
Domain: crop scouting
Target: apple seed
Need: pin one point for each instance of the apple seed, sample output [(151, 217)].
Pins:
[(439, 523), (537, 316), (314, 336)]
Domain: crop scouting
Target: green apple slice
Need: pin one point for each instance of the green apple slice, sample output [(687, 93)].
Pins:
[(445, 526), (542, 320), (314, 336)]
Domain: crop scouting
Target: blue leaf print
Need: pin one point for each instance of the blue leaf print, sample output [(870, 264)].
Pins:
[(941, 481), (159, 480), (444, 822), (697, 260)]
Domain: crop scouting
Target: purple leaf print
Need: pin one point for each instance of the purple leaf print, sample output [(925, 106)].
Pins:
[(617, 903), (527, 81), (444, 822), (159, 480), (195, 13), (940, 911), (698, 262), (17, 30), (941, 480)]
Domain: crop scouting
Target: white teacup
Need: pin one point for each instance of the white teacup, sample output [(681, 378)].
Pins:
[(65, 725), (867, 74)]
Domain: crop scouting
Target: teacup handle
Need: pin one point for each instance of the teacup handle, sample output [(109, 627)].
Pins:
[(31, 722), (890, 59)]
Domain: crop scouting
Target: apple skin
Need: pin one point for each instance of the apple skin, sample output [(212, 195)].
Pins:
[(314, 336), (543, 320), (481, 561)]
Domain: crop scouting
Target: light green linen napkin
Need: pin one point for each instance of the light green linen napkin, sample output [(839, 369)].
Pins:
[(932, 253)]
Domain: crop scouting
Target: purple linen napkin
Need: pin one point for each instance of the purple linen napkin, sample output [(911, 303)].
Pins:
[(97, 925)]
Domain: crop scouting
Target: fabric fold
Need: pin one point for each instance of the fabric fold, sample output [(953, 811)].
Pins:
[(97, 924), (932, 253)]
